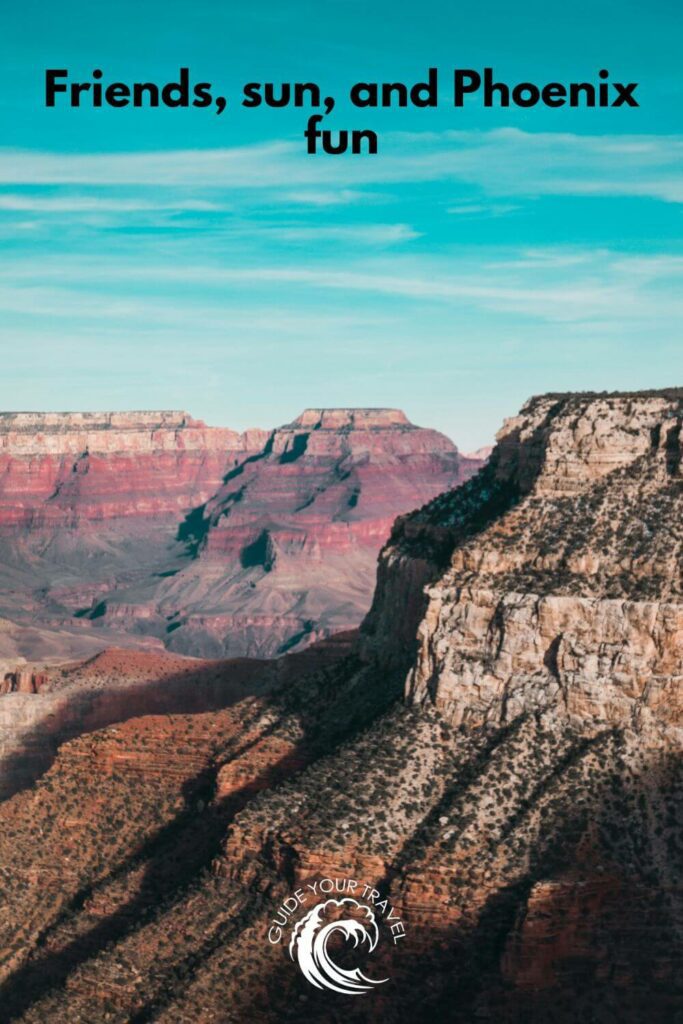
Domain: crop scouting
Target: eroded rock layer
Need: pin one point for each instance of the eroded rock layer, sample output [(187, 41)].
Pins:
[(573, 595), (82, 468), (286, 548)]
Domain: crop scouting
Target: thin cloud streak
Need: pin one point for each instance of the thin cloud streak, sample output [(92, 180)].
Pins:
[(504, 162), (97, 204), (364, 234), (552, 285)]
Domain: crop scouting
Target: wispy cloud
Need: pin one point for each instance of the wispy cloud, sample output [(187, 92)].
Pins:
[(85, 305), (557, 285), (17, 202), (613, 293), (363, 234), (330, 197), (482, 209), (504, 162)]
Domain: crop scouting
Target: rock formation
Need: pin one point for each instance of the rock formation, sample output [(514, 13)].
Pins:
[(153, 529), (499, 755), (73, 469), (574, 596), (286, 548), (23, 680), (480, 454), (40, 710)]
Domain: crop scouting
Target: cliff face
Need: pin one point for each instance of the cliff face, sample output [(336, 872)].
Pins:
[(499, 756), (573, 596), (68, 469), (153, 528), (330, 481)]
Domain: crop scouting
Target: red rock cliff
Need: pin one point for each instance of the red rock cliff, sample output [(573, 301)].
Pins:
[(78, 468), (153, 526), (287, 546)]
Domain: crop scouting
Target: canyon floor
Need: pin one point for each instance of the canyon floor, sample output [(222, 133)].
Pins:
[(496, 751)]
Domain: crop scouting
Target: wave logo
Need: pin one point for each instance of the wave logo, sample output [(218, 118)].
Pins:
[(312, 935)]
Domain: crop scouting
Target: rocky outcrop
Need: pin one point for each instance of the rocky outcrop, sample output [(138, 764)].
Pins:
[(41, 710), (23, 680), (331, 480), (572, 598), (286, 549), (612, 661)]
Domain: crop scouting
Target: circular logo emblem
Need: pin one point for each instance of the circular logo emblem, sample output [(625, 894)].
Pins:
[(311, 936), (324, 921)]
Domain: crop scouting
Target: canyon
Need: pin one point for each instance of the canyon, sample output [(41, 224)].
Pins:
[(151, 530), (496, 750)]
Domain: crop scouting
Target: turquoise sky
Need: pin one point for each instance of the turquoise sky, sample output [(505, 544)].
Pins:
[(179, 259)]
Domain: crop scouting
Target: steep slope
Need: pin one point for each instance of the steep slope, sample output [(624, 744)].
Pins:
[(286, 549), (500, 756), (40, 710)]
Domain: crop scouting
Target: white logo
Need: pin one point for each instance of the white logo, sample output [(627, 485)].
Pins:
[(309, 941), (354, 914)]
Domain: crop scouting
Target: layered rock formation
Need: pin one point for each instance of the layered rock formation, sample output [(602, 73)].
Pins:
[(23, 680), (286, 548), (40, 710), (499, 756), (90, 502), (72, 469), (152, 528), (574, 596)]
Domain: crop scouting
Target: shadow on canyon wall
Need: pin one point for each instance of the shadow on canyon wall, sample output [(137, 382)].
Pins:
[(172, 860), (611, 958), (74, 711)]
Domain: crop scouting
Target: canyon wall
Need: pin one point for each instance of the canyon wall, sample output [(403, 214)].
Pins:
[(286, 548), (69, 469), (573, 597)]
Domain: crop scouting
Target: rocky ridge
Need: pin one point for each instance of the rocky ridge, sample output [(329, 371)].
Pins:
[(289, 543), (573, 596)]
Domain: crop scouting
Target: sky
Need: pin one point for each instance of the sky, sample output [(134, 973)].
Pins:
[(180, 259)]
